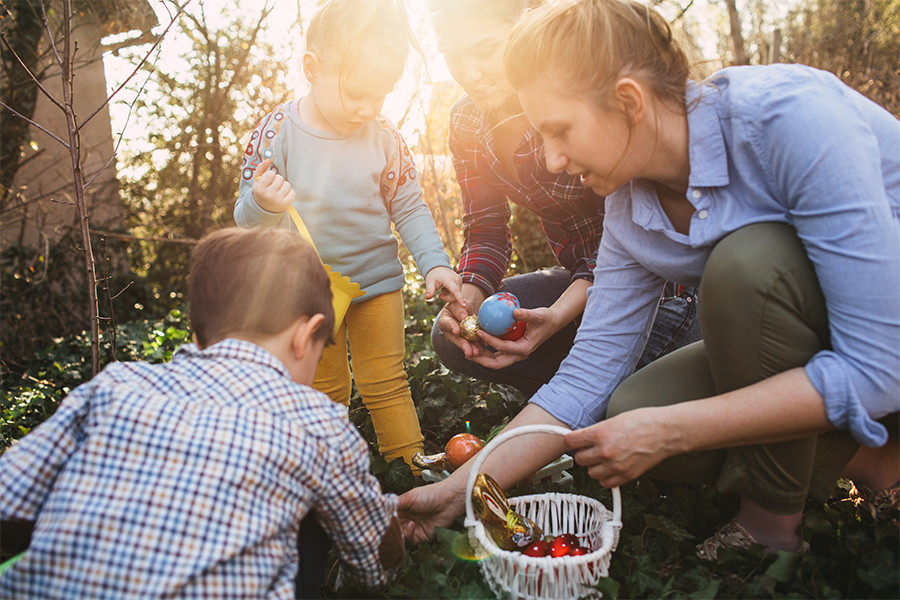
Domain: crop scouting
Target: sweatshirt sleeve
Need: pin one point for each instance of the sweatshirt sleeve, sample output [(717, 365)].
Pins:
[(265, 142), (410, 215)]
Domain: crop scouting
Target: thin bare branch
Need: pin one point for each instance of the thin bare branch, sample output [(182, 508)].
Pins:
[(50, 33), (32, 75), (33, 124)]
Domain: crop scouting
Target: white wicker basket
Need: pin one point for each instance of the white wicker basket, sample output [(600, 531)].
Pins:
[(515, 575)]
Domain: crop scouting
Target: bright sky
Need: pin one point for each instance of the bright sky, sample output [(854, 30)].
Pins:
[(280, 23)]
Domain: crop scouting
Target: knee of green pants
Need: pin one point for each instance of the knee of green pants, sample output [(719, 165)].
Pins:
[(762, 309)]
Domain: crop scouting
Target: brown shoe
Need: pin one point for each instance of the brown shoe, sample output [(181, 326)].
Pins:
[(733, 535)]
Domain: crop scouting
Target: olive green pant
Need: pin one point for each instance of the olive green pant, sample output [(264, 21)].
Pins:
[(761, 313)]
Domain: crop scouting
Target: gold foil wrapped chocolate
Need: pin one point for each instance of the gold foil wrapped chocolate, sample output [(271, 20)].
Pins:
[(435, 462), (508, 529), (468, 328)]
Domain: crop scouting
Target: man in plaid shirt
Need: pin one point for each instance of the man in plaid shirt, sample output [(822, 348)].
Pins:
[(499, 159), (190, 479)]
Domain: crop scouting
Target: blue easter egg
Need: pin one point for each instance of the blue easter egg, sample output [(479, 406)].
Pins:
[(496, 313)]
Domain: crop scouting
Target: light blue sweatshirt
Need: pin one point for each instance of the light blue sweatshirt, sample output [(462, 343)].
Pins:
[(781, 143), (349, 190)]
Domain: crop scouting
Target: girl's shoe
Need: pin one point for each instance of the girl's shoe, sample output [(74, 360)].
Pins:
[(733, 535)]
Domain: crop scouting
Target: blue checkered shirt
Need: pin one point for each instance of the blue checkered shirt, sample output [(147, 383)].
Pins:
[(189, 479)]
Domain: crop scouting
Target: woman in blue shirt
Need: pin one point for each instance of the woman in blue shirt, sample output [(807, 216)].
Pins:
[(776, 190)]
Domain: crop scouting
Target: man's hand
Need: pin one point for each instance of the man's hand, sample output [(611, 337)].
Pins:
[(454, 312), (540, 325), (272, 191)]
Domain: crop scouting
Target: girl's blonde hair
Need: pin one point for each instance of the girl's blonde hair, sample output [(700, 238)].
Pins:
[(593, 44), (343, 32)]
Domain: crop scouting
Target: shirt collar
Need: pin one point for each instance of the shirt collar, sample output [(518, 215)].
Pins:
[(709, 159), (236, 350)]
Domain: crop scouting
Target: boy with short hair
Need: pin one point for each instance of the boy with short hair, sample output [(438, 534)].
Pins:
[(191, 478)]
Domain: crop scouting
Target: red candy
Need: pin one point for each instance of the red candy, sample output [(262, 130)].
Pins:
[(562, 545), (538, 548)]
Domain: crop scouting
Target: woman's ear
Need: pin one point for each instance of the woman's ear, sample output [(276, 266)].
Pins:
[(630, 95), (311, 67)]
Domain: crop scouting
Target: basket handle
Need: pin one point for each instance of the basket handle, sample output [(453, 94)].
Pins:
[(507, 435)]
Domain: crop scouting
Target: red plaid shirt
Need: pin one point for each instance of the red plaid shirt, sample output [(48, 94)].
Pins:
[(571, 215)]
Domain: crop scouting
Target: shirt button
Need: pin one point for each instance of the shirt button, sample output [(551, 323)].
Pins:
[(696, 193), (702, 214)]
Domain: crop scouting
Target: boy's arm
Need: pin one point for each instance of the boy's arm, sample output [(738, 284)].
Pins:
[(30, 466), (360, 520)]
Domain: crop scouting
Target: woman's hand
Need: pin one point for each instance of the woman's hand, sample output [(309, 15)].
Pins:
[(438, 504), (423, 508), (624, 447), (270, 190), (448, 281)]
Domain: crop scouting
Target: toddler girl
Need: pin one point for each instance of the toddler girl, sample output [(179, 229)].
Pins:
[(348, 173)]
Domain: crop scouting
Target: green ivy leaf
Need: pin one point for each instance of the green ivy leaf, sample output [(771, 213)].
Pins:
[(782, 570)]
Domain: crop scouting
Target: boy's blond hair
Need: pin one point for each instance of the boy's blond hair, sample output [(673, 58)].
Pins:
[(256, 282)]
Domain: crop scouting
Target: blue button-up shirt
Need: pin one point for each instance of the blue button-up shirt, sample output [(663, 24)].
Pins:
[(781, 143)]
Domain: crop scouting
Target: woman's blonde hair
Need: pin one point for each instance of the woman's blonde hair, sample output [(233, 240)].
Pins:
[(593, 44), (343, 32)]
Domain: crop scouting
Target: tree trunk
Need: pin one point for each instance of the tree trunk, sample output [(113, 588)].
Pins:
[(737, 40)]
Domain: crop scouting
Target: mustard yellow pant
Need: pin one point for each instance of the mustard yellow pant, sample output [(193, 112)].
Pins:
[(375, 330)]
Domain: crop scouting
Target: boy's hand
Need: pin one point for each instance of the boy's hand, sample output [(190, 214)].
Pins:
[(446, 280), (423, 508), (272, 191)]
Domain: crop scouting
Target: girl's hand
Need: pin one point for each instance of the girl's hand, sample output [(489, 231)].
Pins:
[(446, 280), (272, 191), (540, 325)]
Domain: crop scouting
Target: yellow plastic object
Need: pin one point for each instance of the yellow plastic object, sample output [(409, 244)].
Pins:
[(342, 289)]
